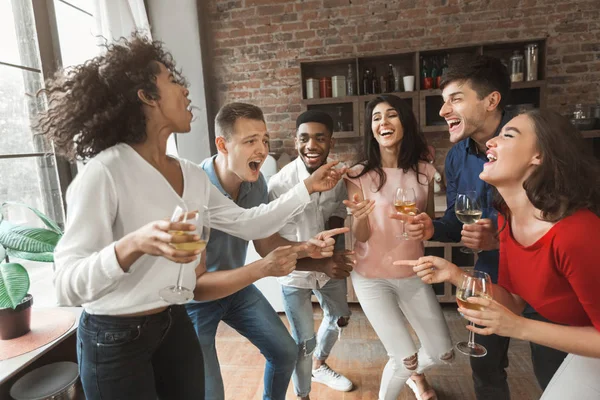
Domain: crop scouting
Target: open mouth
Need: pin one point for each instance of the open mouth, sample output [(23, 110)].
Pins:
[(491, 158), (254, 165), (453, 123), (386, 133), (312, 157)]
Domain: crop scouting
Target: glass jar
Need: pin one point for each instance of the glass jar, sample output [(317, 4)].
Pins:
[(517, 67)]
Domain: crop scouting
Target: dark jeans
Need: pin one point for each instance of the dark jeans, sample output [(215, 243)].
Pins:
[(248, 312), (546, 360), (155, 356), (489, 375)]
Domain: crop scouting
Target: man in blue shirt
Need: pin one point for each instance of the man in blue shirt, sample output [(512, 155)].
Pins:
[(475, 92), (242, 143)]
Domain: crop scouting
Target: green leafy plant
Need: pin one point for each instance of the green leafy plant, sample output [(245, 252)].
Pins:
[(28, 243)]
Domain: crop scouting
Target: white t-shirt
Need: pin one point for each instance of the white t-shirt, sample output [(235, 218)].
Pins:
[(311, 221), (118, 192)]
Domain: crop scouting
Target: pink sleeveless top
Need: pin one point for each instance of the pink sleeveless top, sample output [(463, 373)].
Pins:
[(375, 257)]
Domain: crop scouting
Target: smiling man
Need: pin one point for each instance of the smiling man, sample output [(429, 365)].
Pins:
[(243, 144), (313, 141), (475, 92)]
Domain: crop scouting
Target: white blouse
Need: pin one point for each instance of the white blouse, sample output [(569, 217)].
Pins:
[(118, 192)]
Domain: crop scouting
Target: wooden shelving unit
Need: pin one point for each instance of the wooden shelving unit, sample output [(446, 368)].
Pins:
[(591, 134), (425, 103)]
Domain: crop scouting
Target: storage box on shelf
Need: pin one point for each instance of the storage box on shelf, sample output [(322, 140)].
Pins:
[(425, 99)]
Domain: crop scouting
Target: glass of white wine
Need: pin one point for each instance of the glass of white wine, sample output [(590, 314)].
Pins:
[(190, 213), (468, 211), (474, 284), (405, 202)]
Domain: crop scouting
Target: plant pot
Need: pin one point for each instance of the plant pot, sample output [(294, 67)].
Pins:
[(17, 322)]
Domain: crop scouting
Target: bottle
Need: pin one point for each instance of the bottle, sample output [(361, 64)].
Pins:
[(390, 78), (383, 85), (366, 81), (374, 82), (531, 62), (444, 65), (434, 73), (516, 67), (426, 81), (350, 82)]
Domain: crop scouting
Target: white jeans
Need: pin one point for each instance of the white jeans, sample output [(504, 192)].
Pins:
[(384, 302), (577, 378)]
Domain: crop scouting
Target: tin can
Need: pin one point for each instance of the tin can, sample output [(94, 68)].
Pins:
[(312, 88), (325, 87), (338, 86)]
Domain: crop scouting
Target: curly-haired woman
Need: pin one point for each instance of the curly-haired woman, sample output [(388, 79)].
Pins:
[(117, 111)]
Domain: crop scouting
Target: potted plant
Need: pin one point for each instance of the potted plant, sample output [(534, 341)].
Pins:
[(28, 243)]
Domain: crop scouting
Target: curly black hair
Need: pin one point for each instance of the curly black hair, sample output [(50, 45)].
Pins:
[(95, 105)]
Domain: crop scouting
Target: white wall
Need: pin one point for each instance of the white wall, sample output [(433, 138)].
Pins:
[(177, 26)]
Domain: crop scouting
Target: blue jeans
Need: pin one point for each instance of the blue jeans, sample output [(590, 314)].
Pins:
[(249, 313), (298, 308), (155, 356)]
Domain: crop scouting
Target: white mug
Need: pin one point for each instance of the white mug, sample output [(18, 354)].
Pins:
[(409, 83)]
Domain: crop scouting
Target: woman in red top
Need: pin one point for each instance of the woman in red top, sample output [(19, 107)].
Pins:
[(549, 239)]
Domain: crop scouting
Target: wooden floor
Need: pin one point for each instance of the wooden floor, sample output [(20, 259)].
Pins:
[(361, 357)]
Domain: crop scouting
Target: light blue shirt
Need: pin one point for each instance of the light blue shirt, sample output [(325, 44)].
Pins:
[(224, 251)]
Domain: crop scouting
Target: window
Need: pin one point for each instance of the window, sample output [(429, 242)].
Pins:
[(29, 169)]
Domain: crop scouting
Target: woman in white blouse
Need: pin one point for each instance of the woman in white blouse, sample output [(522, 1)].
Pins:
[(117, 111)]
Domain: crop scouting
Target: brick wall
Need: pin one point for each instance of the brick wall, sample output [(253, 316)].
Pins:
[(256, 45)]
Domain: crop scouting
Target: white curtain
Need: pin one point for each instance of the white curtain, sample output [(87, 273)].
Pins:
[(119, 18)]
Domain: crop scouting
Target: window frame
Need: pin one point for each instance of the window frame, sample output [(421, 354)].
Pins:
[(50, 58)]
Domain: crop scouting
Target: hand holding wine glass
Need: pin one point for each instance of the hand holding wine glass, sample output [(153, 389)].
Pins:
[(468, 211), (405, 203), (190, 213), (474, 284)]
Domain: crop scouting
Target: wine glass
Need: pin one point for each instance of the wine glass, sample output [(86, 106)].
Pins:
[(474, 284), (189, 213), (405, 202), (468, 211)]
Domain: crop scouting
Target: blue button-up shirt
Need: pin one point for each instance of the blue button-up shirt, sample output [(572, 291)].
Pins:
[(223, 251), (464, 163)]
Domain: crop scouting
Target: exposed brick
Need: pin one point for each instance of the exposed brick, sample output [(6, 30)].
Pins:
[(574, 69), (271, 10), (258, 46), (578, 58)]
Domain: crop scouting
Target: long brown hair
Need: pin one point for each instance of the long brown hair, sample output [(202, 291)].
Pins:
[(568, 179), (414, 146)]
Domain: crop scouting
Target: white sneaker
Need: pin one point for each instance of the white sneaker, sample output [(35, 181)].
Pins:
[(329, 377)]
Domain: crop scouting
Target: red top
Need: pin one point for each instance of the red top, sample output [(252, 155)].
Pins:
[(559, 275)]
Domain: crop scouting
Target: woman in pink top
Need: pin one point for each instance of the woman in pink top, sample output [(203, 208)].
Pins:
[(396, 157)]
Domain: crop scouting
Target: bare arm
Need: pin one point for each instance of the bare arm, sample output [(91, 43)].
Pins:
[(360, 211), (582, 340), (430, 201), (218, 284), (495, 318)]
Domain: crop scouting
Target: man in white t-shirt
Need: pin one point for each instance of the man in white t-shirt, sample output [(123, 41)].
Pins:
[(325, 211)]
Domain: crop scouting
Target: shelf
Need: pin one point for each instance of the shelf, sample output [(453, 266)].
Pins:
[(528, 84), (330, 100), (430, 92), (434, 128), (344, 134), (591, 134), (402, 95)]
